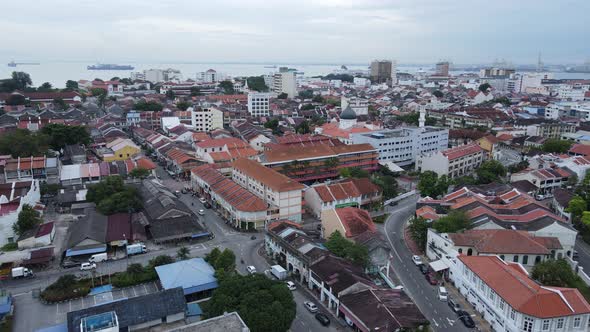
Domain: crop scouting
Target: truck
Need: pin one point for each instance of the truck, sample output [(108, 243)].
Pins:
[(21, 272), (279, 272), (136, 248), (98, 257)]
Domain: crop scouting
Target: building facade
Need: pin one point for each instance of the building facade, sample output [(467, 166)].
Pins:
[(259, 103), (206, 119), (456, 162)]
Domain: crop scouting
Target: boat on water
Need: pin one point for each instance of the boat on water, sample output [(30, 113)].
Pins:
[(108, 66), (14, 64)]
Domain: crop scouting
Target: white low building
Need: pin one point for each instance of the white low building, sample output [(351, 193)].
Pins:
[(509, 300), (12, 199), (259, 103), (206, 119), (455, 162)]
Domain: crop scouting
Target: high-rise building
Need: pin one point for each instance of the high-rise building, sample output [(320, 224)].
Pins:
[(393, 72), (206, 119), (442, 68), (284, 82), (381, 71)]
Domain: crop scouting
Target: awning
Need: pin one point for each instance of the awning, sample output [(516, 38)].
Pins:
[(86, 250), (438, 265), (392, 166)]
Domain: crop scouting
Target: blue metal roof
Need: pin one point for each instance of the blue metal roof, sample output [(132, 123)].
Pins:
[(56, 328), (87, 251), (193, 275)]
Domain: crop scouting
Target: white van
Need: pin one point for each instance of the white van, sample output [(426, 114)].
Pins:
[(442, 294), (87, 266), (98, 258)]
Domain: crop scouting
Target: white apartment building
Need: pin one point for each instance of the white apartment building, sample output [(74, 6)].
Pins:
[(532, 82), (511, 301), (209, 76), (360, 106), (259, 103), (361, 82), (456, 162), (573, 92), (578, 109), (284, 82), (403, 145), (274, 188), (158, 75), (206, 119)]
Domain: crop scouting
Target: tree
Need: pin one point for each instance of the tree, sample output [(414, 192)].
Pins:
[(139, 173), (228, 87), (306, 94), (212, 256), (60, 103), (23, 143), (21, 80), (161, 260), (388, 184), (45, 87), (437, 94), (226, 261), (112, 196), (418, 228), (354, 172), (484, 87), (307, 107), (170, 94), (150, 106), (195, 91), (16, 99), (319, 99), (182, 253), (256, 83), (71, 85), (282, 95), (490, 171), (453, 222), (431, 185), (342, 77), (183, 105), (61, 135), (265, 305), (554, 272), (576, 207), (554, 145), (28, 218), (303, 128), (341, 247)]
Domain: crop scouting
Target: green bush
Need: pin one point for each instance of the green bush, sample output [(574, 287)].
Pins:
[(380, 219), (10, 247)]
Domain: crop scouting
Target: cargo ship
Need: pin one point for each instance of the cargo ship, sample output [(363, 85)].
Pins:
[(106, 66)]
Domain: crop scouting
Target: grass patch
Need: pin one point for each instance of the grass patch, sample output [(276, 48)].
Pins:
[(10, 247), (65, 288), (381, 219), (135, 274)]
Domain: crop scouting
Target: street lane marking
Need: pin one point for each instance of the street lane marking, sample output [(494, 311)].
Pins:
[(435, 323)]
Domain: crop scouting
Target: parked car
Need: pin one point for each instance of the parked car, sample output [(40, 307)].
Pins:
[(87, 266), (466, 319), (322, 318), (207, 205), (454, 305), (253, 237), (423, 268), (68, 263), (310, 306), (417, 260), (202, 200), (575, 255), (443, 295), (201, 212), (431, 279), (291, 285), (251, 269)]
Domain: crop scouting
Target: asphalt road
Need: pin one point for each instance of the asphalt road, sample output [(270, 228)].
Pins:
[(415, 285), (241, 244)]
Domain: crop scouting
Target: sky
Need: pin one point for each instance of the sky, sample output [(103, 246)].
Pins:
[(305, 31)]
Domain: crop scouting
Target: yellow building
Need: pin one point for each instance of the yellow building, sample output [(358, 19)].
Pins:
[(119, 149)]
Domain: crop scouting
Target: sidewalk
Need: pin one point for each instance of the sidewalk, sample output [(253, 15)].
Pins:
[(480, 323)]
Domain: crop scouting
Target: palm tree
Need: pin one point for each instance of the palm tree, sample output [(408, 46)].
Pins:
[(182, 253)]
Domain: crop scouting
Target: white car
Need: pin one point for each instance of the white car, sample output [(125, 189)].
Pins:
[(417, 260), (310, 306), (201, 212), (291, 285), (202, 200), (251, 269), (87, 266)]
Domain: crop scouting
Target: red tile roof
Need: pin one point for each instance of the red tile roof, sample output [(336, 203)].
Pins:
[(500, 241), (145, 163), (580, 149), (220, 142), (44, 229), (355, 221), (462, 151), (269, 177), (513, 285)]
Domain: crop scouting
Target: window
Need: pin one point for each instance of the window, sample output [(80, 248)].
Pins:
[(546, 324), (460, 250), (502, 257), (577, 322), (527, 324), (515, 259), (512, 314), (560, 323), (525, 259), (502, 303), (469, 252)]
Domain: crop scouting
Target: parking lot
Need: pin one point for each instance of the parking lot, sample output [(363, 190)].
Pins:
[(53, 314)]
